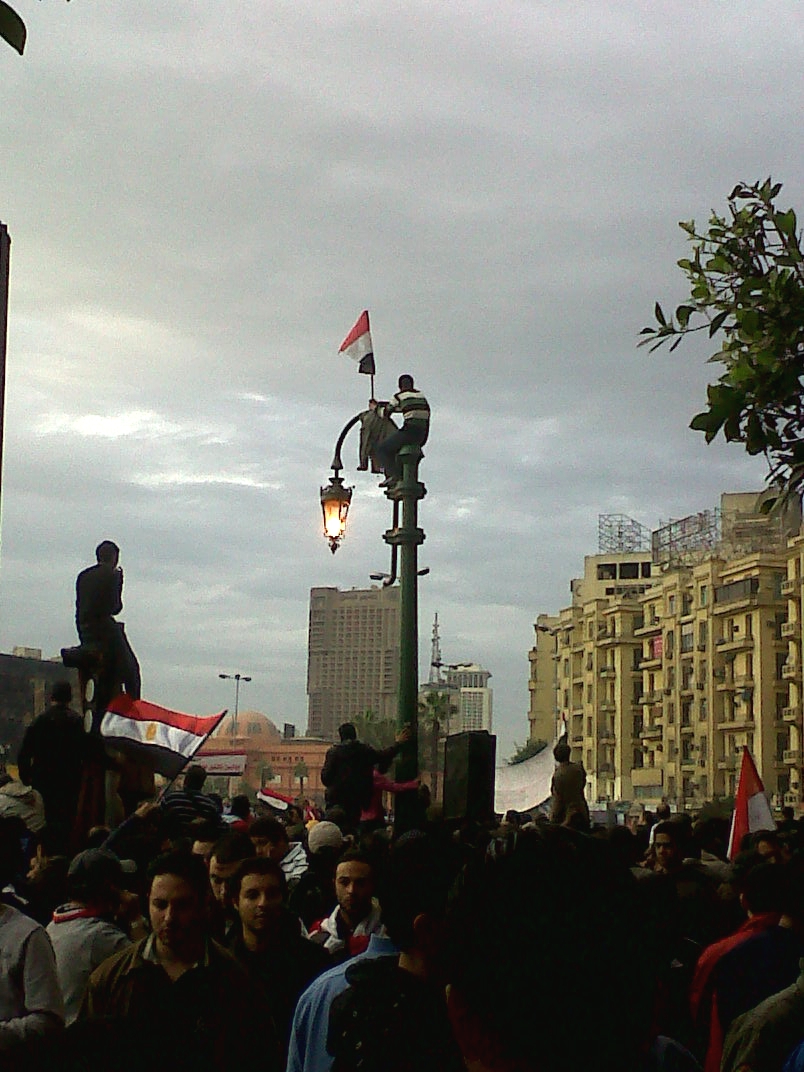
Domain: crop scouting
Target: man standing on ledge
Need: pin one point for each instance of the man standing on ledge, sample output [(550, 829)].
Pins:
[(415, 411), (568, 806), (348, 771), (98, 597)]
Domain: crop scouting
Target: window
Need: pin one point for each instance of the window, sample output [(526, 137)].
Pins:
[(703, 708), (671, 604), (703, 595), (629, 571)]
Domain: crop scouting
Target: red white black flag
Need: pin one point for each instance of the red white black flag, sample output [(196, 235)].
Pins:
[(357, 345)]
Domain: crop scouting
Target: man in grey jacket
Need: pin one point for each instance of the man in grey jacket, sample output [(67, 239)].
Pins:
[(85, 931), (30, 999)]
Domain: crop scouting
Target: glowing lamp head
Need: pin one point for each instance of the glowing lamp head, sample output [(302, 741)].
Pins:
[(335, 499)]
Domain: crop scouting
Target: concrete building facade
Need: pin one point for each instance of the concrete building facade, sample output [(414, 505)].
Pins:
[(669, 661), (353, 656), (469, 684)]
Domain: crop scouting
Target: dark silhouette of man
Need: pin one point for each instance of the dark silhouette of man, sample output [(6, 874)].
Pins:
[(568, 805), (348, 771), (98, 597), (52, 757)]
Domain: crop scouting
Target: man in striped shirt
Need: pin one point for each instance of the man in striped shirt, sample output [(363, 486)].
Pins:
[(415, 412)]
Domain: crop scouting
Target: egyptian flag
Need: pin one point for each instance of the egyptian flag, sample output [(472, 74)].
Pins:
[(357, 345), (163, 740), (751, 809)]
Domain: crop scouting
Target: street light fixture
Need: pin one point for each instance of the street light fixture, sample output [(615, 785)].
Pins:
[(237, 678), (404, 538)]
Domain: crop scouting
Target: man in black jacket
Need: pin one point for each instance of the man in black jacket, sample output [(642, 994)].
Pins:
[(348, 771)]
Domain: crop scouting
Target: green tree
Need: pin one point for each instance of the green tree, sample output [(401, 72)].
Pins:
[(746, 279), (434, 713), (378, 732)]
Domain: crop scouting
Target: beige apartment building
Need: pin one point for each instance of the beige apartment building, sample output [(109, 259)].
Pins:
[(352, 656), (668, 661)]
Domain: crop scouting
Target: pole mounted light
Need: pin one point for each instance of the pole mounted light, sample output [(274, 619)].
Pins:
[(335, 500)]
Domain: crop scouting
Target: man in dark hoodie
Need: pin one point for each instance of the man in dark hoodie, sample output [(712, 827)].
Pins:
[(269, 942), (393, 1017)]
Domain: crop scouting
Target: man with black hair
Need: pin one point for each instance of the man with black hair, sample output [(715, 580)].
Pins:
[(357, 914), (85, 930), (568, 805), (271, 839), (177, 995), (269, 942), (227, 854), (560, 909), (189, 803), (31, 1005), (393, 1016), (52, 757), (98, 598), (348, 771), (414, 409)]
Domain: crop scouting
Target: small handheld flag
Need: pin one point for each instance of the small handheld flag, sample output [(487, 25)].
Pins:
[(357, 345)]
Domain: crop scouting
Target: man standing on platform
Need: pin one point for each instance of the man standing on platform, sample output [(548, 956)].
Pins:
[(415, 412)]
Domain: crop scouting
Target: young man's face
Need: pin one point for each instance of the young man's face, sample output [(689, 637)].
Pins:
[(218, 874), (271, 848), (178, 914), (259, 902), (354, 888), (668, 857)]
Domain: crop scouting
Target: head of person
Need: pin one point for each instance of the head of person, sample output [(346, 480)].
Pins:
[(667, 846), (227, 854), (240, 806), (107, 553), (95, 880), (62, 693), (347, 732), (194, 778), (178, 896), (354, 885), (761, 887), (258, 891), (560, 904), (270, 838), (205, 836), (788, 814), (769, 847), (562, 752), (405, 382), (417, 880), (663, 811)]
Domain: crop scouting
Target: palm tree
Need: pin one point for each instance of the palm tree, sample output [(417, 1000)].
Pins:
[(434, 710)]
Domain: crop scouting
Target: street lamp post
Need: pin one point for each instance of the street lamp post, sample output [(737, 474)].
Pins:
[(237, 678), (404, 538)]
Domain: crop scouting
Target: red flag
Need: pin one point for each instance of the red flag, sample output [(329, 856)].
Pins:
[(357, 345), (751, 809)]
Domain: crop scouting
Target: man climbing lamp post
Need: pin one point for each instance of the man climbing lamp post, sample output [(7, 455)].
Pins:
[(404, 539)]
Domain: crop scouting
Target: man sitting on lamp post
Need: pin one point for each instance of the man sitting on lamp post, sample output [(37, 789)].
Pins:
[(415, 412)]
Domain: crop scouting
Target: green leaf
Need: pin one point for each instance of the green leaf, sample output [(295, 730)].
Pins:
[(786, 222), (660, 315), (718, 322), (12, 28)]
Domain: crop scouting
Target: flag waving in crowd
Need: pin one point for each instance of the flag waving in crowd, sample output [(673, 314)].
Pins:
[(161, 739), (357, 345), (751, 809)]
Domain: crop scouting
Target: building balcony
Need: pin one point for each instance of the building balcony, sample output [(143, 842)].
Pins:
[(605, 768), (607, 737), (651, 663), (687, 728), (608, 671), (744, 681), (790, 714), (737, 643), (649, 629), (577, 739), (737, 723), (792, 757), (727, 763), (791, 672), (607, 706), (789, 629), (789, 587), (688, 763), (650, 733)]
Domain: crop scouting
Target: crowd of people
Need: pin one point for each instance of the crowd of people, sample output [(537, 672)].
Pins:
[(194, 936)]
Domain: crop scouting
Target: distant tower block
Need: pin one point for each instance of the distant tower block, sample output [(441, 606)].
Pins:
[(618, 534)]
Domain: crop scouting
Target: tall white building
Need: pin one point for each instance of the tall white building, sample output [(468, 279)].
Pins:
[(473, 697)]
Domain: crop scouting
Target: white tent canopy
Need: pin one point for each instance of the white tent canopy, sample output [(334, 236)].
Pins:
[(524, 786)]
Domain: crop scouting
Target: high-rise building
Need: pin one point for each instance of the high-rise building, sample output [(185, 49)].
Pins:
[(469, 684), (542, 711), (669, 661), (352, 657)]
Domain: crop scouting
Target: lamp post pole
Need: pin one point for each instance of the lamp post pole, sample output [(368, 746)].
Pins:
[(237, 678), (404, 538)]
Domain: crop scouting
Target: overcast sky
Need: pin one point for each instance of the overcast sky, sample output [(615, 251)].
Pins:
[(202, 197)]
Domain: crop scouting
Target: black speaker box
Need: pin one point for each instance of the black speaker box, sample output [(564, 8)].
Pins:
[(469, 776)]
